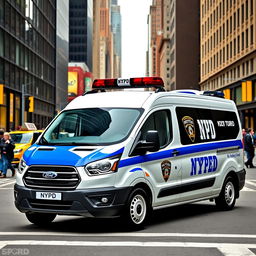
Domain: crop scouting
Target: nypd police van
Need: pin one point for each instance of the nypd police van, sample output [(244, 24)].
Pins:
[(127, 152)]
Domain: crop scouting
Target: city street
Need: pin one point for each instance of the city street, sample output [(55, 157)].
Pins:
[(195, 229)]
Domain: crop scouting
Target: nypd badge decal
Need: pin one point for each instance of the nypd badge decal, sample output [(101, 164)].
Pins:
[(189, 126), (166, 169)]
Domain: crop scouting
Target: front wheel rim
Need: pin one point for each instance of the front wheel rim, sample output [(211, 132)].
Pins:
[(138, 209), (229, 193)]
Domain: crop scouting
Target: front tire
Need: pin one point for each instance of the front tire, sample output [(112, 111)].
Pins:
[(40, 219), (227, 198), (137, 210)]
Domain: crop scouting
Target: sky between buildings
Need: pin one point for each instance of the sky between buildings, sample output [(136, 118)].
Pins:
[(134, 36)]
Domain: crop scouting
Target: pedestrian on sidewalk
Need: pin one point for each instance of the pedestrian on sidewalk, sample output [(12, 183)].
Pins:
[(249, 147), (6, 151)]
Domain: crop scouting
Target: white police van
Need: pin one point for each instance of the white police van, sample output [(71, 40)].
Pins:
[(124, 153)]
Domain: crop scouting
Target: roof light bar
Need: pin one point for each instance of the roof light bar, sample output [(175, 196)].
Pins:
[(120, 83), (218, 94)]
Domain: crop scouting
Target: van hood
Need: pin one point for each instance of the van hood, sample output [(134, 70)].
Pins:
[(68, 155)]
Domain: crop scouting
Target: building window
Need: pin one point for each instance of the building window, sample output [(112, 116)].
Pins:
[(246, 38), (238, 17), (242, 41), (234, 19), (234, 46), (251, 64), (246, 10), (238, 44), (227, 28), (242, 10), (252, 41), (231, 50)]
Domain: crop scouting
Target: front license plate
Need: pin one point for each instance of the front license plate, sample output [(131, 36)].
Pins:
[(48, 195)]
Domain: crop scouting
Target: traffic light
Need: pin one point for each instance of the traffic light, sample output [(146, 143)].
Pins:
[(31, 104), (1, 94)]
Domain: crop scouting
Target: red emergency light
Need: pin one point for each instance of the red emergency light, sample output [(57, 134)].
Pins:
[(120, 83)]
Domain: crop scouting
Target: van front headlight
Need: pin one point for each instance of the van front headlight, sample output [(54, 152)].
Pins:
[(22, 166), (104, 166)]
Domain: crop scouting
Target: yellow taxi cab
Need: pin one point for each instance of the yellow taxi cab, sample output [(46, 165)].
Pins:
[(23, 140)]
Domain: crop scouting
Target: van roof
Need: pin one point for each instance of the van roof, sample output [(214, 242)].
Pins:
[(137, 99)]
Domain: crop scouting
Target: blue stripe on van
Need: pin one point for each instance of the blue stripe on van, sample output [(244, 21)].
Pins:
[(182, 151)]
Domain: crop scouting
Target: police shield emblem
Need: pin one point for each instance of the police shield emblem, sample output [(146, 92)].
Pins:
[(166, 169), (189, 126)]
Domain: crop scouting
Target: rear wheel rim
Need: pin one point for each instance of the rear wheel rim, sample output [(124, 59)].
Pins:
[(138, 209), (229, 193)]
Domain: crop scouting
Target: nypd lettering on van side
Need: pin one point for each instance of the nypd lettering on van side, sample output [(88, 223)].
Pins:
[(207, 129), (205, 164)]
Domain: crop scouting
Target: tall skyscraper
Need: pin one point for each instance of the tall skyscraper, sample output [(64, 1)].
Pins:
[(104, 43), (27, 61), (62, 53), (116, 27), (174, 51), (228, 53), (80, 31)]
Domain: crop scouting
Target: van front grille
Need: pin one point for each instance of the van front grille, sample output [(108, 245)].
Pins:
[(52, 177)]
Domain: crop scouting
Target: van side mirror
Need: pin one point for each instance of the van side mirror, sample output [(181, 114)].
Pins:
[(151, 144)]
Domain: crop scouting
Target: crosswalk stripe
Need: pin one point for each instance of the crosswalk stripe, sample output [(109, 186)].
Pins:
[(227, 249), (7, 183)]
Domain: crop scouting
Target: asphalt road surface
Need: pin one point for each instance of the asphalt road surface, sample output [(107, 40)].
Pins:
[(197, 229)]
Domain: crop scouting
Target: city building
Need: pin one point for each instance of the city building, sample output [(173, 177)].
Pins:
[(228, 53), (106, 39), (155, 32), (116, 27), (27, 62), (81, 31), (62, 56), (174, 51)]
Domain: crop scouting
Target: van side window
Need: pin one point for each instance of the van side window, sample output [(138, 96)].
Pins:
[(159, 121), (200, 125)]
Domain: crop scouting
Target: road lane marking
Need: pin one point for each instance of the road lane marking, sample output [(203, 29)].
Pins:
[(6, 184), (2, 245), (228, 249), (246, 189), (125, 234), (251, 182)]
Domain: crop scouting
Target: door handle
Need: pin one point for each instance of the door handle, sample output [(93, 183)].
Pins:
[(175, 152)]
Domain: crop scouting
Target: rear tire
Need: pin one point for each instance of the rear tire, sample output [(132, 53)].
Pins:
[(40, 219), (137, 210), (227, 198)]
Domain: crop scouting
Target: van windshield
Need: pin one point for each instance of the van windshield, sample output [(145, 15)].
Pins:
[(92, 126)]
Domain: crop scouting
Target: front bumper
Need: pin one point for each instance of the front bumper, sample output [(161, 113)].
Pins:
[(77, 202)]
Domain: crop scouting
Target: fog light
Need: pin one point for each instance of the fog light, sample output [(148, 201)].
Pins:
[(104, 200)]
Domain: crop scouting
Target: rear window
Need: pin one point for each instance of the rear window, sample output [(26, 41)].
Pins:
[(199, 125)]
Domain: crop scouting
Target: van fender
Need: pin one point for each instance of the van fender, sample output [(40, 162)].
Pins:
[(144, 183), (229, 166)]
